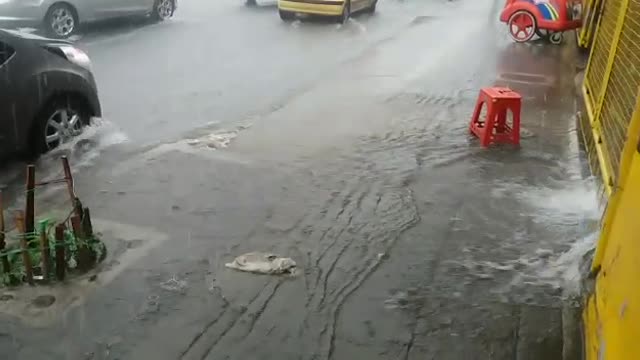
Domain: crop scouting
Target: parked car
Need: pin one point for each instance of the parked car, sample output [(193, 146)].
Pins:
[(340, 9), (47, 93), (60, 19)]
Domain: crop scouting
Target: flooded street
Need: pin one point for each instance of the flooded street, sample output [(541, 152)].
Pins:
[(345, 148)]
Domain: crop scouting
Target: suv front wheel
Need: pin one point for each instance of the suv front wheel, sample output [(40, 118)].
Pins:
[(58, 123)]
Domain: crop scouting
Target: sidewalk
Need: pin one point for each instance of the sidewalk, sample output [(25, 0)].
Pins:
[(413, 242)]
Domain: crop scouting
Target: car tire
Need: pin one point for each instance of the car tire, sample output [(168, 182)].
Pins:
[(61, 21), (163, 9), (287, 15), (346, 13), (59, 122)]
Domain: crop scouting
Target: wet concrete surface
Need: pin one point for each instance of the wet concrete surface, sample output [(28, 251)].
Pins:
[(412, 241)]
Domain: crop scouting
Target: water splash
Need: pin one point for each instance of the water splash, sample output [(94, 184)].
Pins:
[(566, 203), (82, 151), (573, 208), (565, 270), (353, 24), (85, 148), (577, 202), (356, 25)]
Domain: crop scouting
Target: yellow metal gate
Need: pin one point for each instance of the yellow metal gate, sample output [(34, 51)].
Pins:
[(611, 81), (591, 14)]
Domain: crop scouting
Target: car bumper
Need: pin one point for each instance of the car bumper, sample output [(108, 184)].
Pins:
[(314, 7)]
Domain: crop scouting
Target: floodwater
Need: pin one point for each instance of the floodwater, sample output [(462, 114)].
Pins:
[(353, 158)]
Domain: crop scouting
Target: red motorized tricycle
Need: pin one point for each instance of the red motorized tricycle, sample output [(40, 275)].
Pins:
[(546, 18)]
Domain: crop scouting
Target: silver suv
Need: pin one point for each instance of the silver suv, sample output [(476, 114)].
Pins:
[(60, 19)]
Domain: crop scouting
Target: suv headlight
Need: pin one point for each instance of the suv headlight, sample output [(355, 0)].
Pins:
[(72, 54), (76, 56)]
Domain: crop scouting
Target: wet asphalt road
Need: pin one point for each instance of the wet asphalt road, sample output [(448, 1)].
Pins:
[(220, 62), (345, 148)]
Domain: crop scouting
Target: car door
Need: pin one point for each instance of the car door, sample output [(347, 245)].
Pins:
[(139, 6), (107, 9), (129, 7)]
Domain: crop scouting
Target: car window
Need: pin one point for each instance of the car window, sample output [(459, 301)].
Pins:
[(6, 52)]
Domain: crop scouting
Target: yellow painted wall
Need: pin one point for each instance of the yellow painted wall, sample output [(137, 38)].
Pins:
[(612, 315)]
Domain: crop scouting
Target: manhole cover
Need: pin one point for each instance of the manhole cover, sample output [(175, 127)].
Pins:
[(44, 301)]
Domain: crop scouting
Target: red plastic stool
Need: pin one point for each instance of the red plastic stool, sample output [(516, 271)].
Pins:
[(495, 129)]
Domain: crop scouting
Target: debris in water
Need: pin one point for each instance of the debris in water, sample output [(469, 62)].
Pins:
[(214, 141), (174, 284), (263, 263)]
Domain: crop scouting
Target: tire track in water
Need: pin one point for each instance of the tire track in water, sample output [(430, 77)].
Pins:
[(211, 325), (366, 208), (343, 249), (263, 307), (343, 230), (366, 271), (243, 313), (344, 217), (403, 215)]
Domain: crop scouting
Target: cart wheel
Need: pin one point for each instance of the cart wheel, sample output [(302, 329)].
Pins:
[(556, 38), (522, 26)]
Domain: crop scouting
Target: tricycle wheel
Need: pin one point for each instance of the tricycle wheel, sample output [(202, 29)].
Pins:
[(522, 26), (556, 38), (542, 33)]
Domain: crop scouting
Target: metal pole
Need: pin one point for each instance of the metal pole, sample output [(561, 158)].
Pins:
[(46, 251), (6, 268), (29, 212), (61, 262), (68, 177), (26, 257)]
